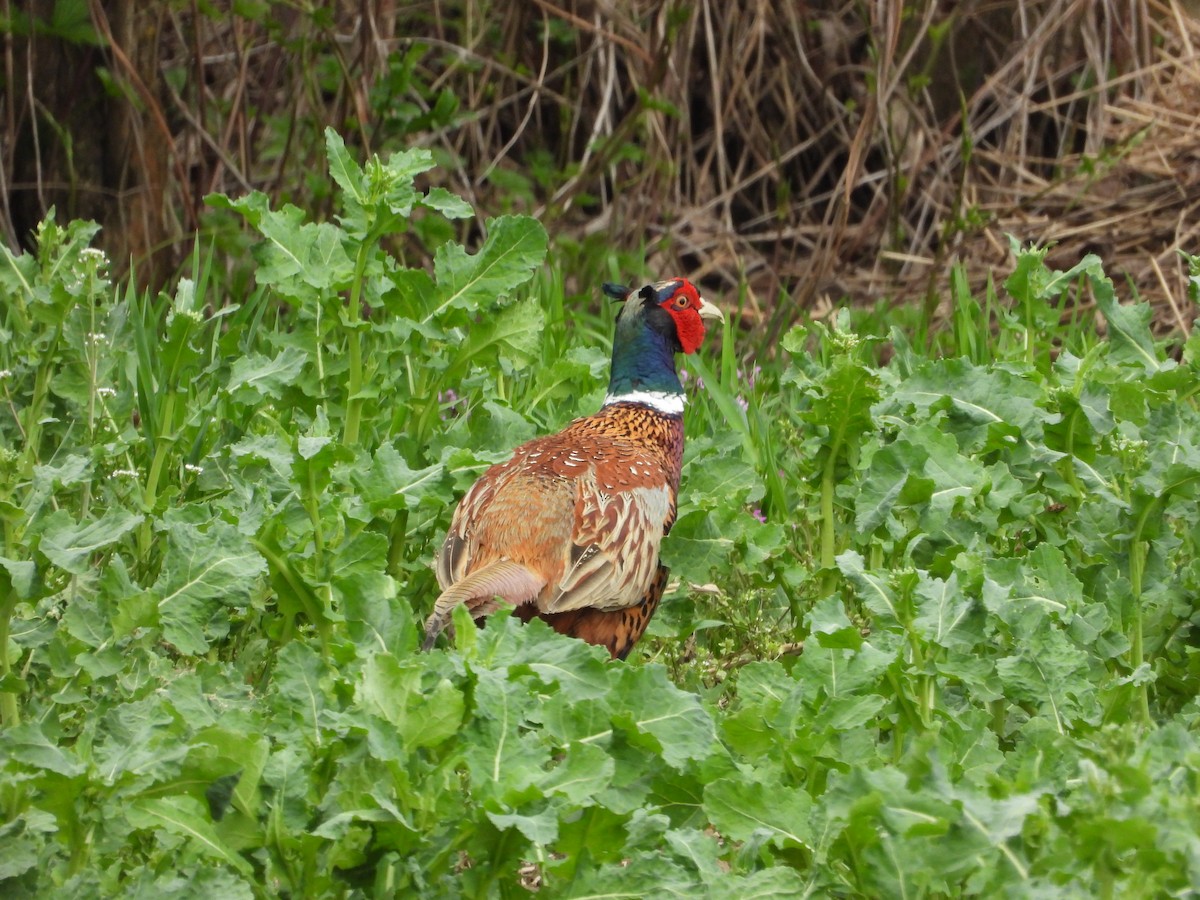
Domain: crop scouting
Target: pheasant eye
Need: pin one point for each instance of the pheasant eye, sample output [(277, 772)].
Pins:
[(682, 302)]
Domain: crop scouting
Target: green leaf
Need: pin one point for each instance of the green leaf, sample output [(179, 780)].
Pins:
[(299, 258), (449, 205), (584, 772), (257, 376), (647, 704), (541, 828), (422, 715), (184, 816), (345, 170), (778, 882), (298, 681), (943, 613), (205, 569), (1130, 339), (894, 478), (390, 483), (505, 759), (976, 396), (516, 331), (28, 744), (70, 545), (515, 245), (739, 808), (21, 575)]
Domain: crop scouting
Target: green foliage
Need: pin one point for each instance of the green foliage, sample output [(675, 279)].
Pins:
[(218, 519)]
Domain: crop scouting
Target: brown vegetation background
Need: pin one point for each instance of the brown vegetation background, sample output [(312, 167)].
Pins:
[(796, 154)]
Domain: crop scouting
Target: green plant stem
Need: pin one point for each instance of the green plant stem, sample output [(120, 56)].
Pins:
[(162, 445), (354, 402), (10, 713), (313, 504), (33, 418), (1137, 567), (302, 594), (1069, 462), (828, 533)]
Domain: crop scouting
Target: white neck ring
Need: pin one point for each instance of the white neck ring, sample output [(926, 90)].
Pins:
[(670, 404)]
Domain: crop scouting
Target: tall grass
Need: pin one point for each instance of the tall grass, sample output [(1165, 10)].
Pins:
[(802, 155)]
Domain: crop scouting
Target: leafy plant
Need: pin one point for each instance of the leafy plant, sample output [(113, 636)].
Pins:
[(933, 633)]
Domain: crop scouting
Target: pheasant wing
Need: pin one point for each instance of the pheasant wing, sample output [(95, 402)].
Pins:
[(613, 553)]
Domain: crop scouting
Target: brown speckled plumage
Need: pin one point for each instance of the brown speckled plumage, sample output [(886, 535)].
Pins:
[(569, 528)]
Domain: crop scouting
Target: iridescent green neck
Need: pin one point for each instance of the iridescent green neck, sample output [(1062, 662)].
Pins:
[(643, 367)]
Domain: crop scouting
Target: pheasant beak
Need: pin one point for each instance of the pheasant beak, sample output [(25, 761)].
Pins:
[(709, 310)]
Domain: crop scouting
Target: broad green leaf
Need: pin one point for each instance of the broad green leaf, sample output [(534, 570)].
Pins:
[(28, 744), (872, 588), (505, 760), (375, 618), (646, 703), (390, 483), (1047, 670), (515, 245), (300, 683), (140, 741), (738, 808), (583, 773), (422, 715), (646, 874), (894, 478), (184, 816), (297, 257), (780, 882), (541, 828), (514, 331), (1129, 335), (699, 848), (581, 672), (943, 612), (258, 376), (21, 575), (205, 569), (698, 543), (21, 849), (449, 205), (70, 545), (978, 396)]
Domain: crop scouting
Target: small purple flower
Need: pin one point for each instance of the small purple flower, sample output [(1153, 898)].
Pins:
[(448, 400), (758, 514), (751, 376), (742, 402)]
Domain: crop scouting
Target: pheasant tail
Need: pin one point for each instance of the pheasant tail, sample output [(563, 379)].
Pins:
[(615, 629), (479, 590)]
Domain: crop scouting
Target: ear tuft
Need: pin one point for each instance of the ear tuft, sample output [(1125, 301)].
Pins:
[(616, 291), (648, 292)]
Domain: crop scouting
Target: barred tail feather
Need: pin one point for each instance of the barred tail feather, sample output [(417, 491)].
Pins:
[(508, 580)]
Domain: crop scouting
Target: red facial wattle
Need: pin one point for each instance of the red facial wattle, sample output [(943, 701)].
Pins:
[(684, 307)]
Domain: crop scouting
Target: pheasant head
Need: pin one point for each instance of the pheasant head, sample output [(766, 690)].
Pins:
[(657, 321)]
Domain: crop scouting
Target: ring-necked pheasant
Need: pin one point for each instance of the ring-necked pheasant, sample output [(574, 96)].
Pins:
[(569, 529)]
